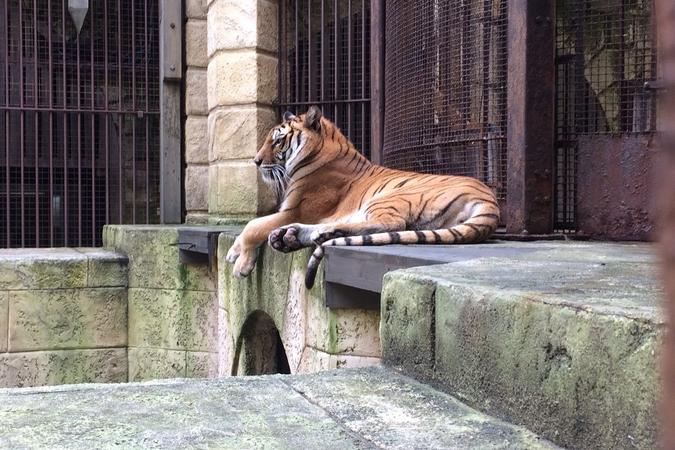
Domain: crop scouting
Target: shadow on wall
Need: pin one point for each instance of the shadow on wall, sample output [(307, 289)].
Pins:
[(259, 348)]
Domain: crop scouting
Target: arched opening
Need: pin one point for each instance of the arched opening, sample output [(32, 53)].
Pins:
[(259, 348)]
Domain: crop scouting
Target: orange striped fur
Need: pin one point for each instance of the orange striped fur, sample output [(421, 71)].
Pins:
[(331, 195)]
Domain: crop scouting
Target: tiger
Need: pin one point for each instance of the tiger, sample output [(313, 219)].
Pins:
[(330, 194)]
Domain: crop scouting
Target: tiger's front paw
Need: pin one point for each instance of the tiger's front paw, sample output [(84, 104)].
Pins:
[(286, 239), (245, 263)]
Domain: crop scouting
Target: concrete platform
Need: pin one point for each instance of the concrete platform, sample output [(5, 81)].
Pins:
[(345, 409), (562, 337)]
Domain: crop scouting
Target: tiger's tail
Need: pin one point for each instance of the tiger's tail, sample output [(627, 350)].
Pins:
[(474, 230)]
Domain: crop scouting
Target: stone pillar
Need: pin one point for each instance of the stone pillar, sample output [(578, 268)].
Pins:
[(242, 85), (196, 108)]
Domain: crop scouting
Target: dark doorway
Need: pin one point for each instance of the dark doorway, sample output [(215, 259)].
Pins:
[(260, 350)]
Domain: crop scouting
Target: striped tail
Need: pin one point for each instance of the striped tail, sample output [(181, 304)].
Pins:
[(472, 231)]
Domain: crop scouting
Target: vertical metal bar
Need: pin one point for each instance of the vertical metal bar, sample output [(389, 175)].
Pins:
[(92, 17), (133, 108), (336, 62), (363, 76), (310, 60), (51, 127), (531, 98), (487, 42), (7, 162), (36, 124), (21, 130), (119, 109), (283, 58), (106, 114), (350, 52), (120, 193), (323, 52), (79, 142), (65, 126), (298, 75), (145, 118)]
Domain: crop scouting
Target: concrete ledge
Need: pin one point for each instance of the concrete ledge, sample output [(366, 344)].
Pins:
[(346, 409), (564, 340)]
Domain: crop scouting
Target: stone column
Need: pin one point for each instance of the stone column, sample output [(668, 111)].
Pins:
[(196, 108), (242, 84)]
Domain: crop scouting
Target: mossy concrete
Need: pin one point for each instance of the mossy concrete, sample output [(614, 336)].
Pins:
[(43, 368), (563, 340), (346, 409), (63, 316), (173, 307), (67, 318)]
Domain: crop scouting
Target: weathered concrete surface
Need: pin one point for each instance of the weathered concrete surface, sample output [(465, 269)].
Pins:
[(348, 409), (173, 307), (63, 316), (563, 340)]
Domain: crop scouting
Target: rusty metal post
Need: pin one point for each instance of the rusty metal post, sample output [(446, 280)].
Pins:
[(665, 16), (377, 78), (531, 99)]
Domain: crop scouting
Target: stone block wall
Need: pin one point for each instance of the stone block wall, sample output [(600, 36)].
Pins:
[(196, 109), (242, 86), (63, 317), (173, 309)]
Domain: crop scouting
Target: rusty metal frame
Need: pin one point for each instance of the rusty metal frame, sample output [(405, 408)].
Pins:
[(377, 96), (531, 98), (171, 74), (665, 16)]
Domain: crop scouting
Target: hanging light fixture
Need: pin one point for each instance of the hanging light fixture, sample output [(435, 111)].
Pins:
[(78, 12)]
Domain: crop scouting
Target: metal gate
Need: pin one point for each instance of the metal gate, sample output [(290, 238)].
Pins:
[(324, 59), (445, 88), (605, 117), (79, 120)]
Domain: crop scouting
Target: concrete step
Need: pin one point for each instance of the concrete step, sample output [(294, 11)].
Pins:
[(562, 339), (344, 409)]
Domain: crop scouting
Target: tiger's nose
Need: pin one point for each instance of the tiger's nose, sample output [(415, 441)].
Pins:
[(257, 161)]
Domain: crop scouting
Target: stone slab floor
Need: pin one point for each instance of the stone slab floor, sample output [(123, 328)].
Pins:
[(343, 409)]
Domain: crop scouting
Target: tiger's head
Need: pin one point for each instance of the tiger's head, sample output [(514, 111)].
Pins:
[(288, 144)]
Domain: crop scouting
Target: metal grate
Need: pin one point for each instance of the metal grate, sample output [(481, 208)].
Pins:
[(445, 87), (324, 59), (79, 120), (605, 53)]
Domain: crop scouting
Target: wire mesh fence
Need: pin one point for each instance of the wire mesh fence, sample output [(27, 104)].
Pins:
[(445, 85), (79, 120)]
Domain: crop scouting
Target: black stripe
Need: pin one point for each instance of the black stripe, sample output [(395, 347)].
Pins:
[(394, 237), (437, 236), (348, 241), (457, 235), (367, 239), (421, 237), (402, 183)]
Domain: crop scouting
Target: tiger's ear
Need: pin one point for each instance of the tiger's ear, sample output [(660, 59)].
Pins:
[(313, 118), (288, 116)]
